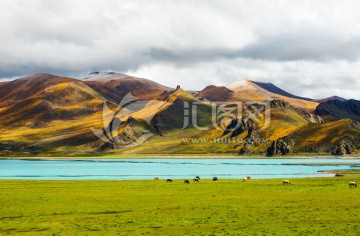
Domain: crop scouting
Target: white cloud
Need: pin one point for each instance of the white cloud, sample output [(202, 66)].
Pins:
[(303, 78), (308, 48)]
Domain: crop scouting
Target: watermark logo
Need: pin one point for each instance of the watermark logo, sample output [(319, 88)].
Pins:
[(223, 112), (129, 124), (124, 118), (221, 140)]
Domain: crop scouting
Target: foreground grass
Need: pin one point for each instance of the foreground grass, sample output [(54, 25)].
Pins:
[(257, 207)]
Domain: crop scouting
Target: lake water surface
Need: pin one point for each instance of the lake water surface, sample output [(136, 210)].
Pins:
[(133, 169)]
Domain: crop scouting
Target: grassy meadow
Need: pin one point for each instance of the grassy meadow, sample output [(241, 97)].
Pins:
[(310, 206)]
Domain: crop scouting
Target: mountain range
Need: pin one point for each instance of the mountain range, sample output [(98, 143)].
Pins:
[(108, 113)]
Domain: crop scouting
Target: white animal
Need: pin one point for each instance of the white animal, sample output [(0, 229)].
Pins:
[(352, 184), (287, 182)]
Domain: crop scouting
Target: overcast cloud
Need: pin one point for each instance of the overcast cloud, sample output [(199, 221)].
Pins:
[(309, 48)]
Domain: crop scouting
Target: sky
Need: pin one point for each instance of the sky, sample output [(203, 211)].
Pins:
[(308, 48)]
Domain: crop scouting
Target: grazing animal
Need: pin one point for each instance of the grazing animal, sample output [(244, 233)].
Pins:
[(244, 179), (215, 179), (169, 181), (248, 177), (186, 181), (156, 178), (196, 180), (287, 182), (352, 184)]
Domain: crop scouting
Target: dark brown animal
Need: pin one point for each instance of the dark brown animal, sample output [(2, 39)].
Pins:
[(186, 181), (169, 181), (196, 180), (215, 179)]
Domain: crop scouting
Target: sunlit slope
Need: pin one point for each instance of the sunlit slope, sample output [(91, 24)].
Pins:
[(282, 121), (25, 87), (246, 90), (57, 119), (324, 137), (73, 137), (64, 101)]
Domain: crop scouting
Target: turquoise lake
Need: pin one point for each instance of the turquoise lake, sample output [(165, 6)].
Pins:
[(134, 169)]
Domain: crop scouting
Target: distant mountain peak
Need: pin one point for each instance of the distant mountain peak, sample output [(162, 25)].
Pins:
[(338, 109), (42, 76), (103, 76), (332, 98), (274, 89), (247, 84)]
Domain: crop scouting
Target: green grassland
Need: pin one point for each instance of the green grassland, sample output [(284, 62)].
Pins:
[(311, 206)]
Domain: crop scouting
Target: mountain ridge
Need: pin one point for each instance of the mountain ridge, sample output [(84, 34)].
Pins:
[(57, 115), (247, 90), (114, 86)]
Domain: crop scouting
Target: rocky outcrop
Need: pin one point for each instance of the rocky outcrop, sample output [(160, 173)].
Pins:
[(125, 134), (347, 145), (252, 139), (341, 148), (310, 117), (238, 126), (19, 148), (280, 146), (155, 122)]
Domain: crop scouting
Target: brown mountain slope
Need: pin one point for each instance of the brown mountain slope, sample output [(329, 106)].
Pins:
[(57, 119), (216, 93), (246, 90), (22, 88), (114, 86), (57, 113), (62, 101)]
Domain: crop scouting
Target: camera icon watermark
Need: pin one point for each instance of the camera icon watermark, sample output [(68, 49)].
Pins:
[(118, 125), (130, 124), (223, 112)]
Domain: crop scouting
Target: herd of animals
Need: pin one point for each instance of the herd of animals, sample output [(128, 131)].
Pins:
[(247, 178)]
